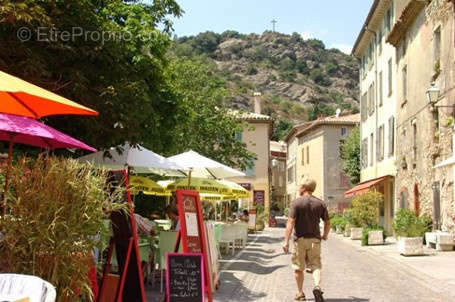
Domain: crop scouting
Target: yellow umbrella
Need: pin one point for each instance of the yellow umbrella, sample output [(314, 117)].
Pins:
[(146, 185), (211, 197), (202, 185), (25, 99), (236, 190)]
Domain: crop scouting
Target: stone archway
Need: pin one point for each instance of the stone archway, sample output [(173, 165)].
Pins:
[(404, 198)]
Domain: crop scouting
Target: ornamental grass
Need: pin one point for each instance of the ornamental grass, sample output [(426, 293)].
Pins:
[(55, 215)]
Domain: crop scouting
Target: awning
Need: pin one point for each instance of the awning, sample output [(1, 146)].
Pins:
[(447, 162), (363, 187)]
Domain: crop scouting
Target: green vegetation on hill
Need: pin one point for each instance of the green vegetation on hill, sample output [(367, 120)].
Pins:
[(299, 79)]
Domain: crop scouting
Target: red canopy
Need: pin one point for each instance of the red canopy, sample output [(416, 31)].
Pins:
[(363, 187)]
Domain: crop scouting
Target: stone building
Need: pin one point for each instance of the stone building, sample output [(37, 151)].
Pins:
[(314, 151), (278, 170), (423, 39), (378, 107), (256, 136)]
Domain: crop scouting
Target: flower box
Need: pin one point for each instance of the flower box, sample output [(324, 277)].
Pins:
[(375, 237), (356, 233), (410, 246)]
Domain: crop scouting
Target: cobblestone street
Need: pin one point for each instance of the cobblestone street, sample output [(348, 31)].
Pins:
[(261, 272)]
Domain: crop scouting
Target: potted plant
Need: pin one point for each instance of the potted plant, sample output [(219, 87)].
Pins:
[(364, 212), (374, 235), (410, 230)]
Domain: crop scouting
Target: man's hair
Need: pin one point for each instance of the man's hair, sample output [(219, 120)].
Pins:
[(309, 185), (172, 209)]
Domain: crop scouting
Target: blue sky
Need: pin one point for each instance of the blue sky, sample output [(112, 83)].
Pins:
[(335, 22)]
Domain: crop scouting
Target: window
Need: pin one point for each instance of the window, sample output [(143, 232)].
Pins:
[(380, 89), (437, 46), (303, 156), (391, 136), (390, 77), (344, 181), (344, 131), (250, 171), (371, 149), (307, 154), (364, 153), (291, 174), (238, 136), (380, 41), (280, 181), (388, 20), (381, 143), (364, 106), (371, 103), (404, 75)]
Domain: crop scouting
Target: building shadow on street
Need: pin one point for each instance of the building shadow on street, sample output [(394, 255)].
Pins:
[(352, 299), (233, 289), (252, 267)]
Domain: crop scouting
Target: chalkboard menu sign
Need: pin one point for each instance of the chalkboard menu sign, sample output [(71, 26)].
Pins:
[(185, 277)]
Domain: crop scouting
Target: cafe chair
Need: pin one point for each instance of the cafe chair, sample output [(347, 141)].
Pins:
[(228, 236), (32, 287), (166, 245)]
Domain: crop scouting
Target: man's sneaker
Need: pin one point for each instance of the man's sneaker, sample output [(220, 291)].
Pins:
[(317, 292)]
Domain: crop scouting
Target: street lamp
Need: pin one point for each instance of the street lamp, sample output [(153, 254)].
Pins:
[(432, 93)]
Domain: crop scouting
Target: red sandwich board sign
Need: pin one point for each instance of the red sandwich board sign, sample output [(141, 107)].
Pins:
[(191, 234)]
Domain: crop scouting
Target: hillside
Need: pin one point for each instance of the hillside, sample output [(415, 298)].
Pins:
[(299, 79)]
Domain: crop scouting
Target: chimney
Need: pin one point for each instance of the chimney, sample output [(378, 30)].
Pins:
[(257, 102)]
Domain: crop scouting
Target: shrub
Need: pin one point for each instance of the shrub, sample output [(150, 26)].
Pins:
[(57, 207), (319, 78), (364, 240), (251, 70), (365, 209), (407, 224), (338, 221)]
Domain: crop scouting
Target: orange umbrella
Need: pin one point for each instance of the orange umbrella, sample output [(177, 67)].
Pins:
[(23, 98)]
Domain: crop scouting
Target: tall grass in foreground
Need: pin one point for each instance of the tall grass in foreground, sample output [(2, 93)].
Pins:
[(56, 209)]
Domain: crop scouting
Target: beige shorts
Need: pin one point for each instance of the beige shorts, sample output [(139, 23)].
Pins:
[(306, 253)]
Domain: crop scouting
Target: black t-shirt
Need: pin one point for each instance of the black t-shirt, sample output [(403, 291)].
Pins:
[(308, 212)]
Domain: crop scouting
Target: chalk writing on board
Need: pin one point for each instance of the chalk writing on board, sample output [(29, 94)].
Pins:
[(185, 278)]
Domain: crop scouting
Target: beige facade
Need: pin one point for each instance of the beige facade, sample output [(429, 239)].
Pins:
[(256, 135), (378, 90), (278, 177), (314, 152), (424, 46)]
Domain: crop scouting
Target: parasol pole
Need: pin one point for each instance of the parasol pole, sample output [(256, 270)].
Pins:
[(8, 167), (189, 177)]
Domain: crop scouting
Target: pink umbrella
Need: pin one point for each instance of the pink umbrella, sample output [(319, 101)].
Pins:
[(24, 130)]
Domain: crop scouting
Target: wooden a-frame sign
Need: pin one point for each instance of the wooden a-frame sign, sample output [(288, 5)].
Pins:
[(191, 234), (131, 284)]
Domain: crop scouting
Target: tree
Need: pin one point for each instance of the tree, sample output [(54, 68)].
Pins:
[(280, 129), (204, 123), (116, 66), (350, 155), (318, 109), (364, 210)]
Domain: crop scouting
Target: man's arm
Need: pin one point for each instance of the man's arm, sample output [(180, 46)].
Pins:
[(326, 229), (289, 227)]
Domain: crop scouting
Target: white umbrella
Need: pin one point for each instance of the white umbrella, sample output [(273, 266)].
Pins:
[(139, 159), (201, 166)]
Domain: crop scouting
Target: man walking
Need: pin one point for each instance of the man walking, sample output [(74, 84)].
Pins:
[(305, 214)]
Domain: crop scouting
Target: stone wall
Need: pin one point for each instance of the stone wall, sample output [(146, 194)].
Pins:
[(422, 142)]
